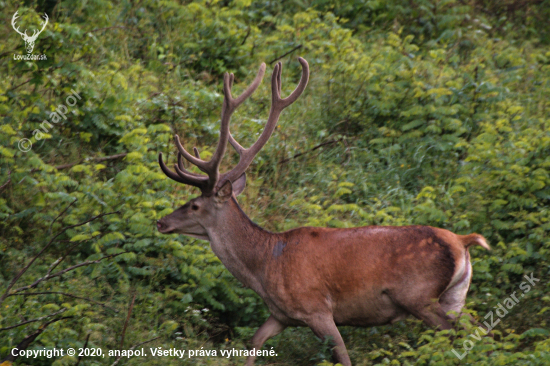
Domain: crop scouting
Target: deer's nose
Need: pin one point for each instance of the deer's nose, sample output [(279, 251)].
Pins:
[(160, 225)]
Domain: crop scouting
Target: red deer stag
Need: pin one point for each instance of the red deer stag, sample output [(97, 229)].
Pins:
[(318, 277)]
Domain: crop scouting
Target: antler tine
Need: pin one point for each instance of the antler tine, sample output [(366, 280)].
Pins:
[(175, 176), (193, 179), (277, 106), (197, 154), (275, 92), (182, 168), (211, 167), (238, 148), (301, 86), (229, 106), (195, 160)]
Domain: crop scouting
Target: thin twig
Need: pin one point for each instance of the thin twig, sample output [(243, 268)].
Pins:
[(26, 342), (60, 259), (17, 86), (134, 347), (127, 319), (58, 216), (112, 157), (5, 185), (66, 254), (53, 265), (35, 320), (246, 36), (288, 53), (310, 150), (7, 53), (60, 273), (85, 346), (8, 182), (97, 159), (18, 276), (106, 28), (64, 294)]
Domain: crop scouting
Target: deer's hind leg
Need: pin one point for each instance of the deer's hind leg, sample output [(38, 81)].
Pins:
[(324, 327)]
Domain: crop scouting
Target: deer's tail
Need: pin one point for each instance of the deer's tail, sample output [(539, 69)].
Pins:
[(474, 239)]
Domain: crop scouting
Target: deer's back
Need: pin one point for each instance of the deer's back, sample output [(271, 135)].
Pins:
[(355, 272)]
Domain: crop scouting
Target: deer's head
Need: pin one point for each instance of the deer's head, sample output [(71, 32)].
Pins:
[(29, 40), (200, 213)]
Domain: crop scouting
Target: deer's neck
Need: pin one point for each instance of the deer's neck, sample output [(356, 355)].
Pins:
[(241, 245)]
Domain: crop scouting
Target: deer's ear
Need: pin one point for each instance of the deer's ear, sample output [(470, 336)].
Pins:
[(225, 192), (239, 184)]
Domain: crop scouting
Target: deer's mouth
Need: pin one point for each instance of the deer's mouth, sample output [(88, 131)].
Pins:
[(164, 229)]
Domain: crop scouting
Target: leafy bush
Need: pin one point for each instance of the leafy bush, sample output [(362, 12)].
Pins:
[(431, 113)]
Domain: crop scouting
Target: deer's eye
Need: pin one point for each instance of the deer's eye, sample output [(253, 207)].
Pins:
[(194, 207)]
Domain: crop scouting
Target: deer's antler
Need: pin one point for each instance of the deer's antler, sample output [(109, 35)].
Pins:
[(208, 183)]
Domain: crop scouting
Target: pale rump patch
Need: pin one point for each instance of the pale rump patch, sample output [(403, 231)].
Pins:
[(454, 297)]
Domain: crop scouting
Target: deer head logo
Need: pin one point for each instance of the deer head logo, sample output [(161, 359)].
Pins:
[(29, 40)]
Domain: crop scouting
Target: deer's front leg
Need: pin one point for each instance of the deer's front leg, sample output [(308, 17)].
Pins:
[(269, 329)]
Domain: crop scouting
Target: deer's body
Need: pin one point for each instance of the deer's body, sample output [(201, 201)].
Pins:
[(320, 277), (363, 276)]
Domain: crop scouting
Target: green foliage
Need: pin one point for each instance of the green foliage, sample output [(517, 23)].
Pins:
[(427, 112)]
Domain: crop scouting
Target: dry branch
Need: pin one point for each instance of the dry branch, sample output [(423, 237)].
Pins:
[(26, 342), (286, 54), (127, 320), (98, 159), (7, 182), (62, 212), (60, 273), (35, 320), (133, 348), (85, 346), (18, 276), (64, 294), (310, 150), (107, 28)]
